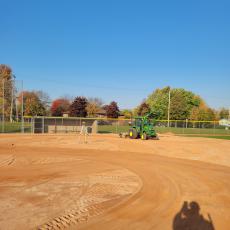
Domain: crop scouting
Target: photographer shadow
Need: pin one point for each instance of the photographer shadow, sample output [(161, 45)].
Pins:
[(189, 218)]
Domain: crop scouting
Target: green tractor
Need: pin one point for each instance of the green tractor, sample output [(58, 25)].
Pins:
[(143, 128)]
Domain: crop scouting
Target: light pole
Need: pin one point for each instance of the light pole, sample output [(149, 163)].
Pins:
[(12, 85), (169, 105), (3, 105), (22, 111)]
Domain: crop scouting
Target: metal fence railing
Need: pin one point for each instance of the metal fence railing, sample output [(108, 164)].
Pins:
[(104, 125)]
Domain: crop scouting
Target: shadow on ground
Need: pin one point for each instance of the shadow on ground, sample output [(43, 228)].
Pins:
[(190, 218)]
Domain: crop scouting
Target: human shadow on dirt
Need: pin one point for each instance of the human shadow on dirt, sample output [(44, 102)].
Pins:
[(189, 218)]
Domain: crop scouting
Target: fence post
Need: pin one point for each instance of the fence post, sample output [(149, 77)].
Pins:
[(43, 124), (22, 112), (31, 125), (1, 122), (116, 126), (183, 127)]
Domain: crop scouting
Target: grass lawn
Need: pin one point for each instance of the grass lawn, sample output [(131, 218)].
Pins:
[(198, 131), (15, 127)]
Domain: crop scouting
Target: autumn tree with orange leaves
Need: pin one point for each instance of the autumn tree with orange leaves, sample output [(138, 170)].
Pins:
[(59, 106)]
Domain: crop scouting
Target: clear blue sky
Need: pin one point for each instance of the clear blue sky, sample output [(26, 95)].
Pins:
[(118, 49)]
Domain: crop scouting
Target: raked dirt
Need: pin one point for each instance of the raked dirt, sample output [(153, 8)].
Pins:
[(59, 182)]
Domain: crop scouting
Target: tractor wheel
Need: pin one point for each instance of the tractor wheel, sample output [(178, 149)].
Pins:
[(143, 136), (133, 133)]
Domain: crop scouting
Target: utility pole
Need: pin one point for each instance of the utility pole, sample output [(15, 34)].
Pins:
[(12, 85), (3, 105), (22, 111), (12, 100), (169, 105)]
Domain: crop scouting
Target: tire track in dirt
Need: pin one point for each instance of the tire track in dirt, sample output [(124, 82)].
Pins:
[(105, 191), (7, 160), (167, 183)]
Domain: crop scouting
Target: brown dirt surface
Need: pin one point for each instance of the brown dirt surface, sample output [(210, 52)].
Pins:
[(57, 182)]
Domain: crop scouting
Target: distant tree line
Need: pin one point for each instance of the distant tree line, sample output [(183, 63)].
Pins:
[(184, 104), (83, 107)]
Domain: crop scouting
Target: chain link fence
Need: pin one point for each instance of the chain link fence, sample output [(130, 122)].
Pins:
[(104, 125)]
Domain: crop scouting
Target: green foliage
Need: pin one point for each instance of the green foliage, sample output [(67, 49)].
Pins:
[(184, 105), (223, 113), (206, 114), (182, 102), (158, 101), (127, 113)]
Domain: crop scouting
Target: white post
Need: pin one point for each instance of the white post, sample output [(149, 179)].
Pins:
[(32, 124), (43, 124), (3, 105), (169, 105), (22, 112), (16, 104), (117, 126), (12, 101)]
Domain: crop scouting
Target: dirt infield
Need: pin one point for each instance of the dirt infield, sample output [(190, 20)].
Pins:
[(55, 182)]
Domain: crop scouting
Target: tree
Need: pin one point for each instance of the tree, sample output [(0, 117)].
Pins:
[(143, 109), (5, 72), (59, 106), (206, 114), (6, 95), (112, 110), (202, 112), (45, 100), (183, 103), (158, 102), (94, 106), (78, 107), (128, 114), (223, 113), (31, 103)]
